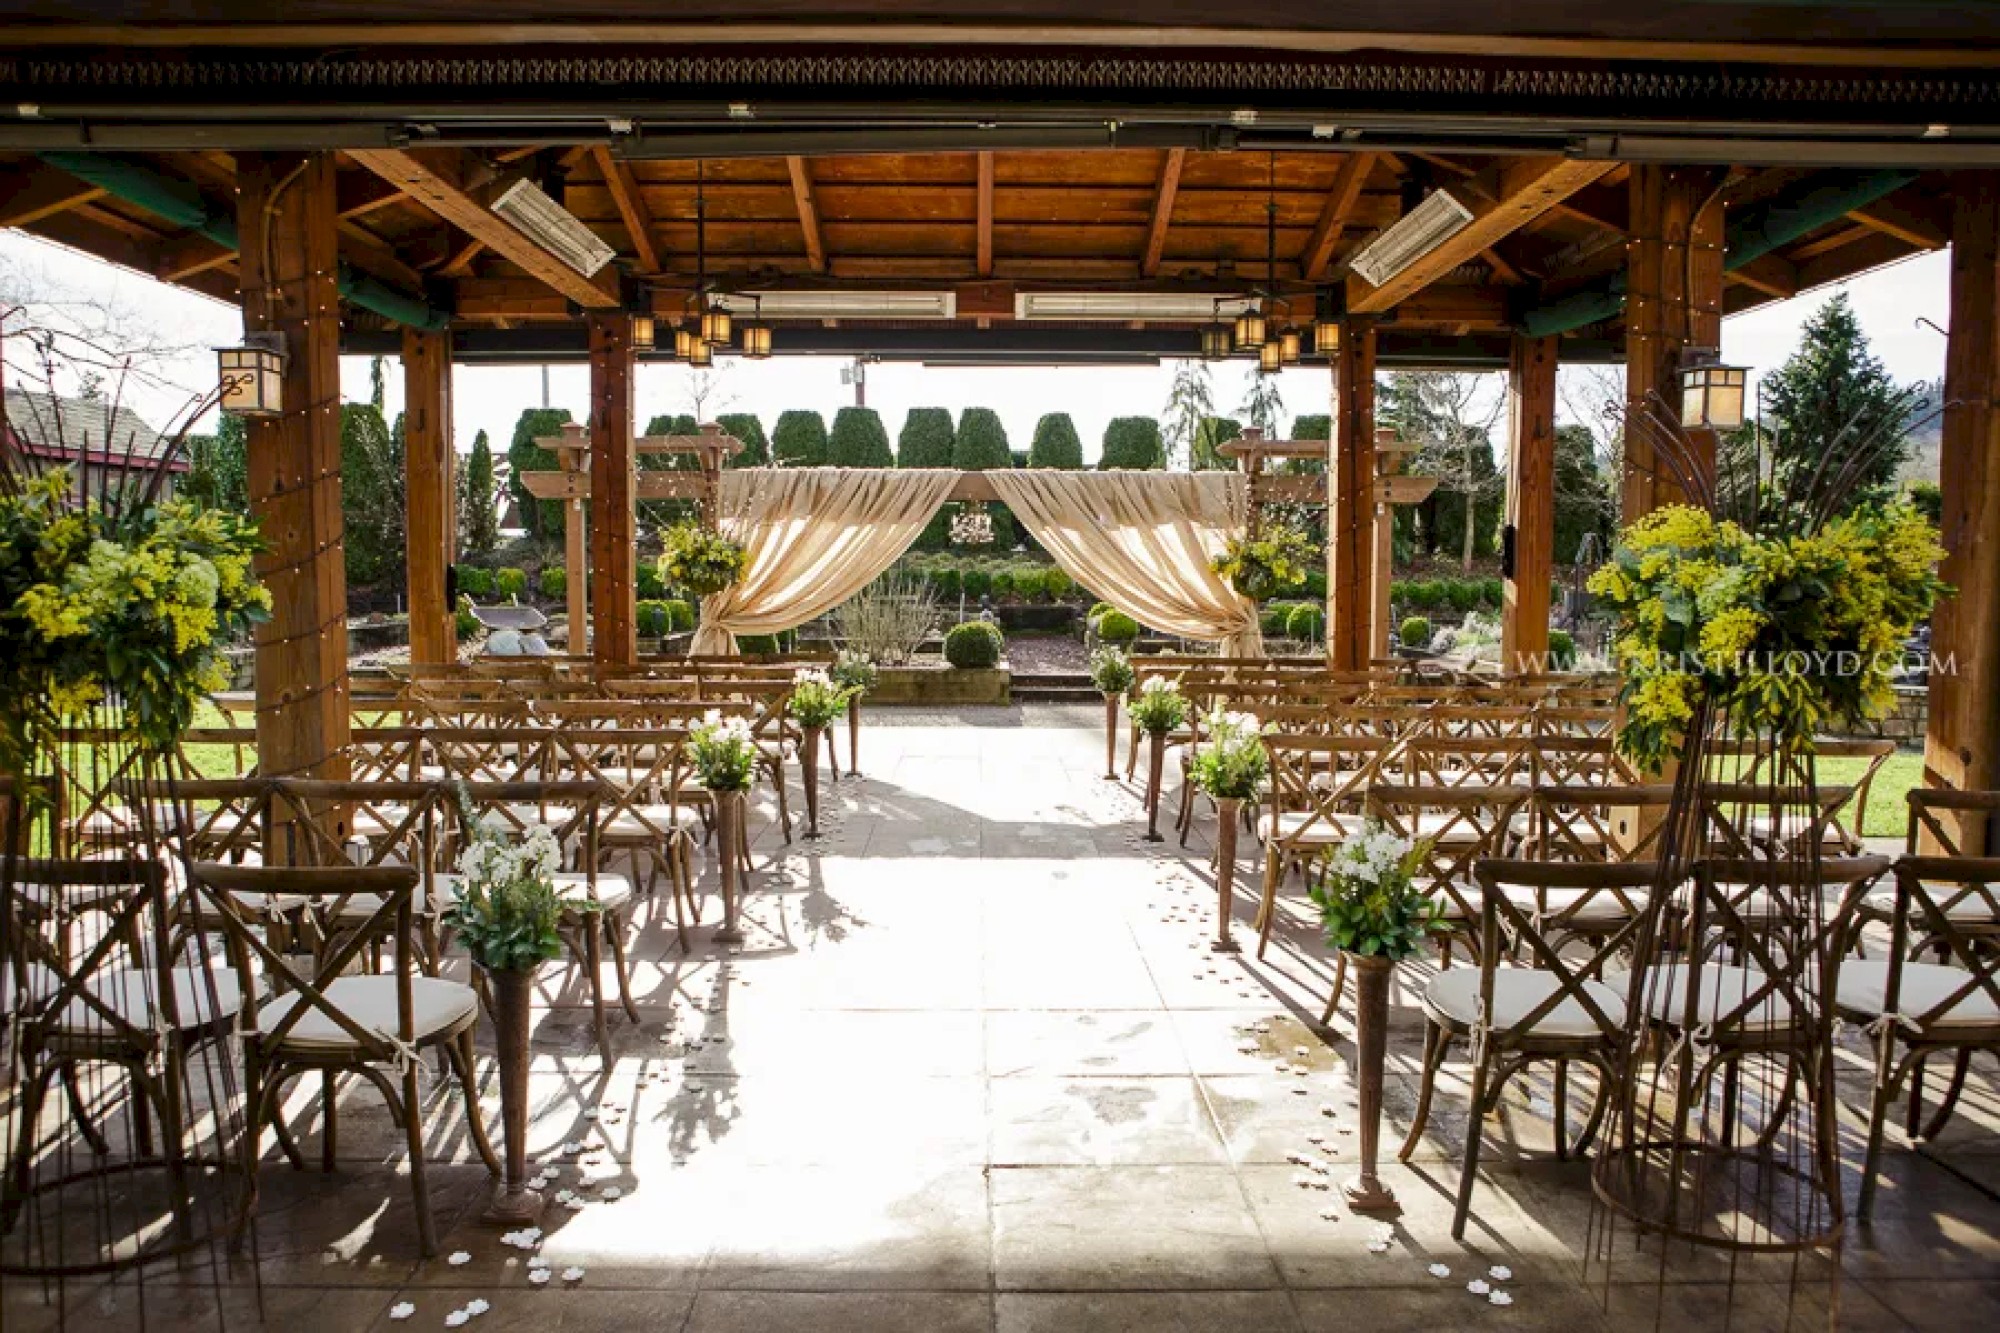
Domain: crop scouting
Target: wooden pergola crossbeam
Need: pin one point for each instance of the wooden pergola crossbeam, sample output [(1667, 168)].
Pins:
[(1334, 214), (631, 207), (807, 205), (30, 196), (971, 487), (1163, 211)]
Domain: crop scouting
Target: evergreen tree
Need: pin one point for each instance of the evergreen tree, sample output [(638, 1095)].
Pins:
[(542, 518), (1585, 502), (1133, 444), (1189, 401), (1312, 426), (1262, 406), (1450, 417), (378, 391), (981, 442), (927, 438), (478, 500), (1211, 433), (1834, 395), (371, 498), (859, 439), (666, 513), (218, 467), (799, 439), (745, 427), (1056, 443)]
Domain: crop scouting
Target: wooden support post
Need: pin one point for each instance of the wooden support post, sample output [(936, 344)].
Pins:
[(1962, 746), (1531, 503), (285, 215), (573, 452), (1673, 301), (613, 485), (1350, 553), (1382, 542), (428, 488)]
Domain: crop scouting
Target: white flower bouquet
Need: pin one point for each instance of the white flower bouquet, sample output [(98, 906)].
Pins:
[(506, 907), (817, 699), (1231, 762), (1159, 707), (1368, 897), (724, 752)]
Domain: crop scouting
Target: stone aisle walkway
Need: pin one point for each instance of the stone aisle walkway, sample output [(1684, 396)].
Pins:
[(976, 1069)]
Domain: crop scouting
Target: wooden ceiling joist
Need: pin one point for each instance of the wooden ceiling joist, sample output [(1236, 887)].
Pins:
[(1163, 210), (1335, 213), (983, 207), (1769, 274), (808, 211), (631, 208), (1502, 201), (438, 179), (191, 255), (37, 192), (1905, 221)]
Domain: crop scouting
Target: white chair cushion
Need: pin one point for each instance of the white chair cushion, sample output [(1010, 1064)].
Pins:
[(1722, 991), (1591, 905), (647, 821), (1864, 983), (129, 993), (1467, 890), (1448, 828), (1973, 907), (1454, 994), (1309, 830), (436, 1006), (613, 891)]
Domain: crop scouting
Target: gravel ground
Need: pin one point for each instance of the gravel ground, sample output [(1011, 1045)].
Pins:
[(1038, 654)]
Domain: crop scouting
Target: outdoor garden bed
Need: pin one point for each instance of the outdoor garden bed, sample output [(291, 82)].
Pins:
[(940, 686)]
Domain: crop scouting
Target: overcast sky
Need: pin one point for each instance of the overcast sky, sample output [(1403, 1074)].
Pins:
[(1890, 302)]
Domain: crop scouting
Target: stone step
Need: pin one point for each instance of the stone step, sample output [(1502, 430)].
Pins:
[(1055, 694)]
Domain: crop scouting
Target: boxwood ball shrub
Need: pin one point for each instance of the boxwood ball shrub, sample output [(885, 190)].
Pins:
[(976, 582), (976, 643), (474, 581), (1305, 622), (1562, 650), (510, 582), (1316, 584), (1057, 584), (1117, 627), (1272, 618), (554, 581), (1097, 609), (680, 616), (652, 619), (1415, 632)]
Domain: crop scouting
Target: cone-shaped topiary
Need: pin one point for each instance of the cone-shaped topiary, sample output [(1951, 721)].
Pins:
[(745, 427), (1056, 443), (799, 439), (859, 439), (1133, 443), (981, 442), (927, 438)]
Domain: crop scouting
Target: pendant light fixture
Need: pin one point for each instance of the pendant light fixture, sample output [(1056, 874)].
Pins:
[(757, 335), (714, 322), (1270, 342)]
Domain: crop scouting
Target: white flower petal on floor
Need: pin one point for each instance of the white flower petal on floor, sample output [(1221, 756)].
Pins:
[(402, 1310), (1440, 1270), (457, 1319), (538, 1276), (1500, 1272), (572, 1275), (1499, 1298), (1378, 1246), (459, 1257), (1478, 1286), (476, 1308)]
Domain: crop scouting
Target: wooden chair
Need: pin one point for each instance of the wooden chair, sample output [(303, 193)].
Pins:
[(1944, 823), (335, 1022), (1318, 788), (1948, 1007), (1457, 827), (1592, 823), (1554, 1010)]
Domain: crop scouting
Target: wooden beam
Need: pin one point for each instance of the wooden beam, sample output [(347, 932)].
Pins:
[(808, 210), (1904, 221), (1163, 210), (1673, 301), (1833, 240), (983, 259), (1769, 274), (188, 256), (1348, 181), (39, 192), (362, 193), (1503, 271), (613, 516), (440, 180), (285, 217), (631, 207), (431, 520), (1962, 739), (1350, 478), (1502, 201), (1531, 508), (460, 264)]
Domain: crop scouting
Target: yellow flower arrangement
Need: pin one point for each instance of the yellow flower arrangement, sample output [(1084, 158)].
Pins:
[(1784, 636)]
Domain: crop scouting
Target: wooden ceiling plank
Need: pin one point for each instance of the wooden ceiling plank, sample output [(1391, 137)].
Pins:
[(188, 256), (983, 169), (1830, 242), (361, 193), (1502, 201), (438, 177), (1770, 274), (41, 192), (1334, 214), (1908, 223), (1163, 210), (631, 208), (460, 263), (808, 210)]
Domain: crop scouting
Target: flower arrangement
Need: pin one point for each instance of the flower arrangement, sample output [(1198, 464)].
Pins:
[(854, 672), (506, 907), (130, 605), (700, 559), (1786, 635), (1270, 564), (1159, 707), (724, 752), (1231, 763), (1111, 670), (1368, 898), (817, 699)]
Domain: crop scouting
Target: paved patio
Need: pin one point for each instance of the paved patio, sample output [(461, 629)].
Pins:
[(974, 1069)]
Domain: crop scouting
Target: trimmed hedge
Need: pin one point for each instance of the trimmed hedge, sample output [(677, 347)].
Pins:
[(1414, 632), (926, 438), (973, 644), (648, 582), (1036, 617), (510, 582), (859, 439), (799, 439), (1273, 617), (474, 581), (1562, 649), (1133, 443), (1306, 622), (554, 582), (945, 582), (680, 615), (745, 427), (1447, 593), (651, 619), (1056, 444), (1117, 627), (975, 582)]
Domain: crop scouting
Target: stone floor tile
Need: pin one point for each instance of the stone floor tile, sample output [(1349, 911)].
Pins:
[(1156, 1228)]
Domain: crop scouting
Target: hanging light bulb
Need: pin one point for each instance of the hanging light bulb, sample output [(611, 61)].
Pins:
[(1269, 357), (1288, 346)]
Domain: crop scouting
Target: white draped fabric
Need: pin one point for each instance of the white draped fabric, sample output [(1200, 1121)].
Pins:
[(1143, 541), (814, 537)]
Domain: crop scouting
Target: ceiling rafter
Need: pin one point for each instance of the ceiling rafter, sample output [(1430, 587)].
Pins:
[(631, 208), (39, 192), (983, 244), (1906, 222), (1163, 210), (1348, 182), (807, 205)]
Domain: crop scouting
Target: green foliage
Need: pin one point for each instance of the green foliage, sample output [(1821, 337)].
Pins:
[(371, 497), (464, 624), (1928, 500), (723, 752), (1273, 617), (927, 438), (478, 500), (817, 699), (680, 616), (1159, 706), (1208, 437), (554, 582), (700, 560), (799, 439), (1562, 649), (1273, 562), (945, 581), (1462, 595), (746, 427), (1369, 900), (1189, 400), (976, 582), (1132, 444), (507, 908), (859, 439), (648, 582), (1097, 609), (764, 645), (651, 618), (1111, 670), (218, 474), (1316, 583), (981, 442), (543, 518), (474, 581), (510, 582), (1057, 584), (1584, 499), (1056, 443), (1117, 627), (1834, 386), (1003, 583), (1305, 623), (1415, 632), (975, 643), (1312, 426), (664, 513), (1231, 762)]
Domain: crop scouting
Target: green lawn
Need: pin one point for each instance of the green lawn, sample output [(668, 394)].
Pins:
[(1888, 811)]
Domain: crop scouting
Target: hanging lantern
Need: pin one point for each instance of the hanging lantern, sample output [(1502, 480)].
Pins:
[(1215, 342), (1288, 345), (642, 333), (715, 325), (684, 343), (700, 354), (1711, 393), (1326, 337), (252, 377), (1269, 357), (757, 341), (1249, 330)]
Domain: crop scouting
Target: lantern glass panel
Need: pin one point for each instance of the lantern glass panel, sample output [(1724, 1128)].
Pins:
[(684, 344), (642, 333), (715, 325), (1215, 342), (1249, 331), (700, 354), (251, 380), (1269, 357), (1288, 347), (1326, 337)]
